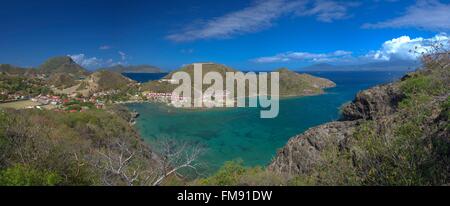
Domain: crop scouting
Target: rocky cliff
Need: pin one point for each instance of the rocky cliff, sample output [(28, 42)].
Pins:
[(389, 134), (374, 103), (302, 152)]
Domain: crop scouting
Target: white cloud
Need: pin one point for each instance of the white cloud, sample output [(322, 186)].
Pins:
[(406, 48), (304, 56), (123, 59), (259, 16), (84, 61), (94, 62), (425, 14), (123, 55), (105, 47), (401, 48), (328, 11)]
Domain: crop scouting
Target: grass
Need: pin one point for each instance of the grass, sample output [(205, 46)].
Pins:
[(23, 104)]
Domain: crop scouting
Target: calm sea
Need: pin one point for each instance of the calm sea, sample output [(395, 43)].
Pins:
[(144, 77), (239, 133)]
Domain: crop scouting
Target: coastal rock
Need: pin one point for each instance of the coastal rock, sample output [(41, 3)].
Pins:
[(303, 151), (373, 103), (375, 113)]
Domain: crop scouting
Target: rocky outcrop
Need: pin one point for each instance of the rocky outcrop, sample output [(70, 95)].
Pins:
[(303, 151), (373, 103), (373, 121)]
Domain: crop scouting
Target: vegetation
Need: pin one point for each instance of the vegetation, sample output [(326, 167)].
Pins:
[(77, 105), (410, 147), (294, 84), (167, 87), (83, 85), (235, 173), (62, 64), (49, 148), (11, 70), (291, 83), (107, 80), (21, 86), (62, 80), (95, 147), (20, 175)]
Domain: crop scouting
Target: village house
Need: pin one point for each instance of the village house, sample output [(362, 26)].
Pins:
[(172, 81)]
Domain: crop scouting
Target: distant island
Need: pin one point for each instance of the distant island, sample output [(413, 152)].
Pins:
[(134, 69), (397, 65), (295, 84), (291, 84)]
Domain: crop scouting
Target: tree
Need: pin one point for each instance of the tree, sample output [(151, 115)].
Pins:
[(122, 164), (175, 156), (23, 175), (116, 164)]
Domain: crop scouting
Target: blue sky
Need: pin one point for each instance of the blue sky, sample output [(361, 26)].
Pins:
[(248, 35)]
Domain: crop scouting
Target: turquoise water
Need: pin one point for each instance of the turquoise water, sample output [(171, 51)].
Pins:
[(239, 133), (144, 77)]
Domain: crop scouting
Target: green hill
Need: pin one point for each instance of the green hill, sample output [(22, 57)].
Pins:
[(107, 80), (291, 83), (62, 80), (208, 67), (134, 69), (63, 64), (166, 87), (12, 70), (295, 84)]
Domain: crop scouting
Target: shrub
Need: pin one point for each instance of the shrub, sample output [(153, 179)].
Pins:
[(235, 173), (23, 175), (229, 174), (446, 111), (417, 84)]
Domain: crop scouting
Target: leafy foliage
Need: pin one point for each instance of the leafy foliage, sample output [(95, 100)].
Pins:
[(22, 86), (66, 148), (22, 175), (235, 173)]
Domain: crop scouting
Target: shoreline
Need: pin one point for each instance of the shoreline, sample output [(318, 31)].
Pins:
[(281, 97)]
